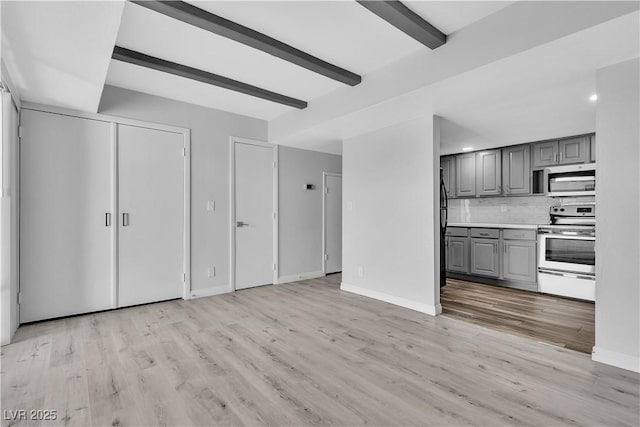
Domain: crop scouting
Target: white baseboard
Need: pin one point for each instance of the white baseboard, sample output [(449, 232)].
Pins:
[(213, 290), (616, 359), (391, 299), (299, 276)]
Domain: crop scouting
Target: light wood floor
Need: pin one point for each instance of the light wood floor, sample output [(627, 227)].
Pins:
[(303, 353), (554, 320)]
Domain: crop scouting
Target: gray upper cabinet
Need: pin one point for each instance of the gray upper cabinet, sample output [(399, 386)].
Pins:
[(593, 149), (516, 169), (485, 257), (573, 150), (458, 254), (465, 175), (545, 154), (519, 260), (489, 173), (448, 164)]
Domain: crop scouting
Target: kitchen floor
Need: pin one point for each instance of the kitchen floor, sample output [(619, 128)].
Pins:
[(545, 318)]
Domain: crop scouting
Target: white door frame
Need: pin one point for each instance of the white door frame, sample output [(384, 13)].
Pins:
[(233, 140), (115, 120), (324, 216)]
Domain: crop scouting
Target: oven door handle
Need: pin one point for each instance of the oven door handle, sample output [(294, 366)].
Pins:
[(566, 274), (565, 236)]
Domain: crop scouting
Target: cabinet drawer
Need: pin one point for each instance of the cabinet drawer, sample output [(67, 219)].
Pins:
[(487, 233), (513, 234), (457, 231)]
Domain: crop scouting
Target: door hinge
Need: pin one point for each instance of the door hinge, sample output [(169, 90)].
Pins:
[(274, 267), (184, 277), (184, 151), (20, 132), (275, 165), (19, 298), (326, 189), (274, 215), (326, 257)]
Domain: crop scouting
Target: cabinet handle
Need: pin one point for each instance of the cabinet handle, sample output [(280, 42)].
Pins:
[(125, 219), (561, 156), (107, 219), (484, 234), (505, 248), (555, 157)]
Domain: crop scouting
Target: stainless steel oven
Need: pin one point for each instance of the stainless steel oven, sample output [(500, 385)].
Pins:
[(570, 181), (567, 252)]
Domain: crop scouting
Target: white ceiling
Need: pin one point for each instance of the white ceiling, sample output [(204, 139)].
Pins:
[(340, 32), (58, 52)]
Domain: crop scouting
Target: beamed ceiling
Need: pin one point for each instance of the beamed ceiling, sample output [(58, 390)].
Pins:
[(320, 71)]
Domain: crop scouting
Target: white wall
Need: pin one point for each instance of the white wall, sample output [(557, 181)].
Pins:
[(390, 224), (210, 132), (9, 267), (300, 210), (618, 219)]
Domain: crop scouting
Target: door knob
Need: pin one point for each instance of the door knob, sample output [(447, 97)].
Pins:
[(241, 224)]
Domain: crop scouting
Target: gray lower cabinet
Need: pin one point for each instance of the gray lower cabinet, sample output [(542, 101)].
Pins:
[(519, 260), (485, 257), (465, 175), (516, 170), (573, 150), (488, 173), (458, 254)]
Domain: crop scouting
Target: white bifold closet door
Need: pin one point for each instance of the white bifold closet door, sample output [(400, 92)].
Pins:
[(151, 215), (66, 181)]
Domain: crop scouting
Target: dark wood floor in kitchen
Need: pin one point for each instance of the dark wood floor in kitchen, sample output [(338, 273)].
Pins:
[(559, 321)]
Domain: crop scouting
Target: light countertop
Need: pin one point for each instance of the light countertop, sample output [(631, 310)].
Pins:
[(487, 225)]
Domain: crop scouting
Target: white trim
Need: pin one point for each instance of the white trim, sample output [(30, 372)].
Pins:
[(300, 276), (103, 117), (613, 358), (8, 81), (213, 290), (186, 291), (324, 216), (233, 140), (115, 225), (391, 299)]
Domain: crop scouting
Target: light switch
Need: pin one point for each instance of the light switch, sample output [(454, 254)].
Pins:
[(211, 272), (211, 205)]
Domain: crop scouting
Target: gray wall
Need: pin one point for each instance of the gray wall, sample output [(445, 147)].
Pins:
[(210, 132), (300, 225), (389, 226), (618, 219), (9, 248)]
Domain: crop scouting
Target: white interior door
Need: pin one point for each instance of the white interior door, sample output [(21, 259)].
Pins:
[(151, 215), (333, 223), (66, 193), (254, 215)]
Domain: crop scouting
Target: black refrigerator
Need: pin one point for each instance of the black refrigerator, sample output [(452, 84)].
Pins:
[(443, 228)]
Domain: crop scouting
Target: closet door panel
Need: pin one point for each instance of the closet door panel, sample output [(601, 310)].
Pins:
[(151, 215), (66, 175)]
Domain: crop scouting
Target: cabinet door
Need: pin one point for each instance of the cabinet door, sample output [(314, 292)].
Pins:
[(545, 154), (516, 170), (593, 148), (448, 166), (485, 257), (519, 260), (466, 175), (573, 150), (489, 173), (151, 220), (66, 176), (458, 254)]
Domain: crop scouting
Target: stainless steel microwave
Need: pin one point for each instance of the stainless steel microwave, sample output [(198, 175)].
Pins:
[(570, 180)]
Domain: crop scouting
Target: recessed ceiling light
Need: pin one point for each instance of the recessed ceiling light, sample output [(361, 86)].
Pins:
[(467, 149), (593, 97)]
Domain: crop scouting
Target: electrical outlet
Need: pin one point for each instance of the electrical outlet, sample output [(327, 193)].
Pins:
[(360, 271), (211, 272)]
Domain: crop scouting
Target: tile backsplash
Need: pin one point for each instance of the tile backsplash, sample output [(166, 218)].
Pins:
[(506, 210)]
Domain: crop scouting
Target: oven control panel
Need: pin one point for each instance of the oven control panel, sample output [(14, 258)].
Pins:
[(573, 210)]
